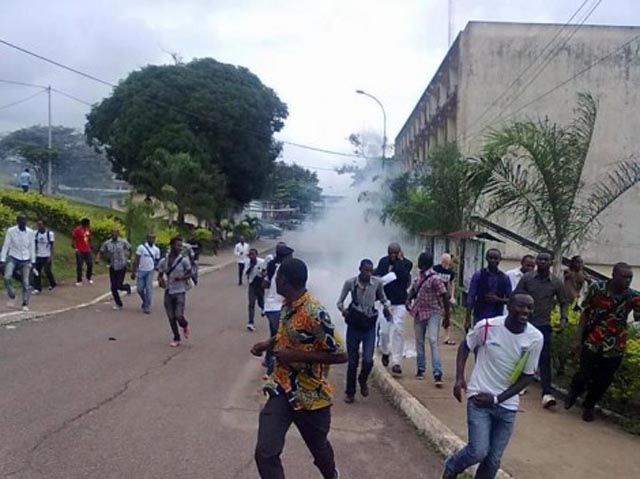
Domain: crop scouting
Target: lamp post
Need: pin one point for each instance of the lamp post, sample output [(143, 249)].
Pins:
[(384, 122)]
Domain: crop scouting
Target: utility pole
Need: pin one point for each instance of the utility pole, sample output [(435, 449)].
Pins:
[(49, 166), (384, 123)]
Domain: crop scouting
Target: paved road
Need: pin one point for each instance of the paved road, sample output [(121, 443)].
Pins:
[(75, 404)]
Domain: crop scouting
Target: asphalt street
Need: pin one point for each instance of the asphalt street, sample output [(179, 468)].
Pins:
[(97, 393)]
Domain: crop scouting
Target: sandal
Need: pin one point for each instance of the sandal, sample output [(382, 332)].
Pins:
[(450, 342)]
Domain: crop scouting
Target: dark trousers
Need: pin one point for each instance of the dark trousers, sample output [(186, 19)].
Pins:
[(256, 294), (240, 273), (80, 259), (43, 264), (544, 366), (355, 337), (595, 374), (174, 306), (116, 277), (275, 419)]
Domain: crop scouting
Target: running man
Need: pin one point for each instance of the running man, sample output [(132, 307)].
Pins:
[(255, 276), (242, 253), (18, 254), (45, 241), (395, 271), (602, 336), (298, 391), (489, 291), (117, 251), (361, 317), (173, 272), (146, 262), (508, 350)]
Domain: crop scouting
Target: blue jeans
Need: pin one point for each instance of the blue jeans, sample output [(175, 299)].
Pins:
[(145, 288), (430, 328), (489, 433), (368, 340), (274, 321), (25, 269)]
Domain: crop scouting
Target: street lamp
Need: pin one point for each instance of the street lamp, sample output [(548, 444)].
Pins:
[(384, 122)]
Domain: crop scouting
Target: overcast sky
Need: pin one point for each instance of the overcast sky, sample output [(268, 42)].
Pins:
[(314, 54)]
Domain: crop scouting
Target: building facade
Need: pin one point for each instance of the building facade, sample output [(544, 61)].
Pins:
[(480, 86)]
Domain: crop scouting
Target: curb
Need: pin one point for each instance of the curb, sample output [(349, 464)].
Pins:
[(443, 438), (18, 316)]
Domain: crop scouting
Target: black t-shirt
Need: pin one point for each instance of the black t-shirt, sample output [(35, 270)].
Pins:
[(396, 291), (446, 274)]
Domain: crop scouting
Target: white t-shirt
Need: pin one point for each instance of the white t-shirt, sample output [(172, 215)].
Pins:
[(43, 243), (514, 275), (149, 256), (272, 300), (242, 252), (498, 353)]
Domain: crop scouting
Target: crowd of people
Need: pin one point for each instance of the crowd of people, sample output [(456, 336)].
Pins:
[(507, 328)]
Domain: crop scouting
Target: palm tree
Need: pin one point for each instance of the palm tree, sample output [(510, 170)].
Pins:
[(537, 175)]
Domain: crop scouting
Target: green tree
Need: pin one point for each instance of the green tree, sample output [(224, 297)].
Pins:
[(293, 185), (77, 164), (535, 171), (441, 196), (181, 180), (221, 114)]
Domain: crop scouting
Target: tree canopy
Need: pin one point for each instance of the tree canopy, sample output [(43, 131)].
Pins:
[(222, 116), (76, 163), (293, 185)]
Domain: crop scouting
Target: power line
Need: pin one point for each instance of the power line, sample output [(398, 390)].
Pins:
[(9, 105), (526, 69), (13, 82), (71, 97), (570, 79), (166, 105), (547, 61)]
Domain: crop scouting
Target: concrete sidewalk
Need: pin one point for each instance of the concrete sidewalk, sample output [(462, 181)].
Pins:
[(545, 444), (67, 295)]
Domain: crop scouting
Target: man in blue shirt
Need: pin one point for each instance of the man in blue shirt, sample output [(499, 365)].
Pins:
[(25, 180), (489, 291)]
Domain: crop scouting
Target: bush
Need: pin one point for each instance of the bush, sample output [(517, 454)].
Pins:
[(203, 235), (7, 218), (58, 213), (163, 238)]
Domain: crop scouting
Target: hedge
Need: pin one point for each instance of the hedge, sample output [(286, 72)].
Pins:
[(57, 212)]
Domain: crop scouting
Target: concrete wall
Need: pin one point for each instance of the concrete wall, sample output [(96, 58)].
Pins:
[(492, 55)]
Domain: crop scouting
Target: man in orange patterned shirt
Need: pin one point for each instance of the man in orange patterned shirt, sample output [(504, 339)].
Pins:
[(304, 347)]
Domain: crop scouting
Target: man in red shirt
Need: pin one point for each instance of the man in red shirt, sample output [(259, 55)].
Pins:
[(82, 246)]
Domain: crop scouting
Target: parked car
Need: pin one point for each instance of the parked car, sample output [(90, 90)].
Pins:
[(268, 230)]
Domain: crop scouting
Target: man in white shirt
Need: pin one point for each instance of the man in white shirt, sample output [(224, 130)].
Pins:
[(18, 253), (272, 300), (255, 276), (527, 264), (146, 262), (242, 252), (45, 240), (508, 349)]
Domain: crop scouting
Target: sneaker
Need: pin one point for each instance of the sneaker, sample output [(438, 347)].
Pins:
[(385, 360), (588, 415), (51, 288), (438, 382), (251, 327), (90, 281), (115, 307), (420, 375), (523, 392), (548, 401), (79, 284), (349, 399), (174, 344), (364, 389), (36, 292), (146, 311), (186, 331), (396, 370), (25, 308)]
